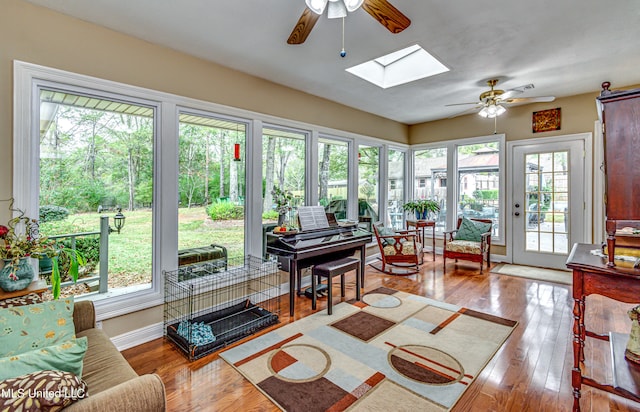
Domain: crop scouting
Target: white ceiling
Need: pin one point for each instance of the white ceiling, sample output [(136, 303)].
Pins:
[(563, 47)]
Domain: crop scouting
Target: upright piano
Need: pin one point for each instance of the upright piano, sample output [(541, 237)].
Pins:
[(313, 247)]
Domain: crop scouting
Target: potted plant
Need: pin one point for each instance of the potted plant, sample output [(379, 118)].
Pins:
[(422, 208), (409, 206), (283, 200), (427, 207), (17, 247)]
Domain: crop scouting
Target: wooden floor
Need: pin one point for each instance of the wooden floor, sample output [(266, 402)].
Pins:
[(531, 372)]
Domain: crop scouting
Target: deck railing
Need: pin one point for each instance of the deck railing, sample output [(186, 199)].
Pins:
[(103, 269)]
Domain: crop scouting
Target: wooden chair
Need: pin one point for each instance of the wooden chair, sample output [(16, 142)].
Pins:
[(400, 250), (472, 250)]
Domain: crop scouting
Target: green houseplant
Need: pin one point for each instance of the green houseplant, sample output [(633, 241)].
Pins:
[(422, 207), (17, 247)]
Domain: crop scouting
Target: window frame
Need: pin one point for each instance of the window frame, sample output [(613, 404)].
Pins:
[(168, 106)]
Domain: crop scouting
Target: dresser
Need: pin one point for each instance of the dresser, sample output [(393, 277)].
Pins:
[(620, 115)]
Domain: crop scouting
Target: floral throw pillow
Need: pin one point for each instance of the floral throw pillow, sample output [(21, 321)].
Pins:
[(45, 390), (472, 230), (66, 356), (30, 327)]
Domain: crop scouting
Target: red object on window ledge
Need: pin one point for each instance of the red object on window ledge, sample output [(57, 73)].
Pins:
[(236, 152)]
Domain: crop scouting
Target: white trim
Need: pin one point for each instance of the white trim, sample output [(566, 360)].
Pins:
[(598, 184), (138, 336)]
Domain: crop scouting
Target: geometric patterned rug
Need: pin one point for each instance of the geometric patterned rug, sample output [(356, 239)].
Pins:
[(391, 351)]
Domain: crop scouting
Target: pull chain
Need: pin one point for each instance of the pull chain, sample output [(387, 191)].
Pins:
[(343, 53)]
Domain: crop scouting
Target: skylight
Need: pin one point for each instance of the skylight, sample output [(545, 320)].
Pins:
[(400, 67)]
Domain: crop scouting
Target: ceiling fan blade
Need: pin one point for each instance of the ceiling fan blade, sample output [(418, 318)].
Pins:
[(464, 104), (303, 27), (522, 100), (387, 15), (516, 90)]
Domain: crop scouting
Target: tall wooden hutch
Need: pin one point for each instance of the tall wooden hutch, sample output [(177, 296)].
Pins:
[(620, 116)]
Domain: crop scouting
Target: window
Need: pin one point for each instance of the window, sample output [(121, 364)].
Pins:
[(211, 184), (478, 168), (283, 167), (430, 165), (333, 161), (368, 188), (96, 159), (475, 169), (395, 197)]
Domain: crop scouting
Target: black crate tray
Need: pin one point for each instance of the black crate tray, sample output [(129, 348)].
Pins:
[(228, 325)]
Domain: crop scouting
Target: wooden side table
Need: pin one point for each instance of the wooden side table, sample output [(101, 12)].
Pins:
[(592, 275), (420, 224), (37, 286)]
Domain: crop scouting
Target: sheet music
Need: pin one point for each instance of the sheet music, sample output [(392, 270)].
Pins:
[(312, 217)]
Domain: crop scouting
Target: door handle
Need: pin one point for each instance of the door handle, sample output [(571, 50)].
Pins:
[(517, 204), (517, 213)]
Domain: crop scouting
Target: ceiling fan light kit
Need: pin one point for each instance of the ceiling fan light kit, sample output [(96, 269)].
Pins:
[(491, 111), (381, 10), (337, 8)]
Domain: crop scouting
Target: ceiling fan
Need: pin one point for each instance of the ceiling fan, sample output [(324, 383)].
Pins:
[(492, 102), (381, 10)]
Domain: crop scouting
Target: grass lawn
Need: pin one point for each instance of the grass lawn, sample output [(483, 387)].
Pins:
[(130, 250)]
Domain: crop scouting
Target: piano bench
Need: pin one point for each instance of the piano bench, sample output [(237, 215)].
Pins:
[(329, 270)]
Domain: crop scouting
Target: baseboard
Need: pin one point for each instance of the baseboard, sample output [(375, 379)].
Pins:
[(138, 336)]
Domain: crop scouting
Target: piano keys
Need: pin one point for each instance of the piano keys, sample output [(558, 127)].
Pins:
[(307, 248)]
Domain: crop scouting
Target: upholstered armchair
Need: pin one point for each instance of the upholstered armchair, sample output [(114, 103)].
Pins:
[(400, 250), (471, 240)]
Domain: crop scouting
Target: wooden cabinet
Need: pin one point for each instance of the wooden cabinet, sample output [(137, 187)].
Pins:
[(620, 115)]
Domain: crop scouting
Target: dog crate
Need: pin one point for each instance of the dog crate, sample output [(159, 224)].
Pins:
[(208, 306)]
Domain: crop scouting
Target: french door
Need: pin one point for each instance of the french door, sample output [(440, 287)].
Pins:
[(548, 202)]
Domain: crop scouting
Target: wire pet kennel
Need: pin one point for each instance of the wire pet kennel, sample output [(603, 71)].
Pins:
[(206, 308)]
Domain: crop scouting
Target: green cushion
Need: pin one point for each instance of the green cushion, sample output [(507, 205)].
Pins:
[(30, 327), (386, 231), (472, 230), (66, 356)]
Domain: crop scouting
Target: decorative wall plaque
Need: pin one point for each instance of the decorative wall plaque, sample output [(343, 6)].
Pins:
[(546, 120)]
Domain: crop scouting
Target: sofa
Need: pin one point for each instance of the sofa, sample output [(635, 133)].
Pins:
[(112, 383)]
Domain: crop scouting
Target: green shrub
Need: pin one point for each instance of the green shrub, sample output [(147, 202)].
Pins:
[(225, 211), (51, 213), (270, 215)]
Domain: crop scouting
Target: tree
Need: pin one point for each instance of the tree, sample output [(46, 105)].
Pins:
[(269, 154), (324, 172)]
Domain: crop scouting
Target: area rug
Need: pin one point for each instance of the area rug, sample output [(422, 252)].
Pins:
[(391, 351), (531, 272)]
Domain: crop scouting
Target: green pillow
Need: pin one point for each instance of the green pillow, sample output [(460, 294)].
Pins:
[(385, 231), (30, 327), (66, 356), (472, 230)]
